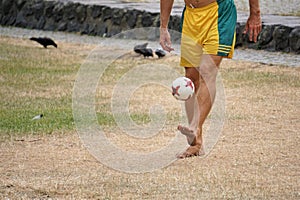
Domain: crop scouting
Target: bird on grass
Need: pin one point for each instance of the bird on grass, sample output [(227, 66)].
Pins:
[(160, 53), (143, 50), (38, 117), (44, 41)]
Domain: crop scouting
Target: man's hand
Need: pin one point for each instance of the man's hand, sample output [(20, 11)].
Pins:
[(253, 27), (165, 40)]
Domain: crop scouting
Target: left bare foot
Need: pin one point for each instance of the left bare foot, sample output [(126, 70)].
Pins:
[(190, 135)]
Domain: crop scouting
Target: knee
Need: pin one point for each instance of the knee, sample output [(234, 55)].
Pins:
[(193, 74), (209, 67), (208, 72)]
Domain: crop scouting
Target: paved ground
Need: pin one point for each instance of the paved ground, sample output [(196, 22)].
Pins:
[(273, 11), (276, 58)]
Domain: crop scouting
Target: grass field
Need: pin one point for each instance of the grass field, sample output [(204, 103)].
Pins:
[(256, 157)]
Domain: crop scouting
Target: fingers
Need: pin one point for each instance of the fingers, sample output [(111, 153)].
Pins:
[(253, 31), (255, 34), (165, 40), (246, 29), (166, 44), (253, 27), (251, 34)]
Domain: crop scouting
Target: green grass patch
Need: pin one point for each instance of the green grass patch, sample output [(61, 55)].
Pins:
[(20, 121), (106, 119), (35, 81)]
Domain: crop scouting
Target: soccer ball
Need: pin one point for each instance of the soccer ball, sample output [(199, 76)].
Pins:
[(183, 88)]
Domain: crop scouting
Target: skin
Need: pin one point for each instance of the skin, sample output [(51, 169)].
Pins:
[(204, 76), (253, 25)]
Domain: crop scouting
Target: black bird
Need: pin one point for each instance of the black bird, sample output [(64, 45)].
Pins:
[(143, 50), (160, 53), (44, 41), (139, 48), (147, 52)]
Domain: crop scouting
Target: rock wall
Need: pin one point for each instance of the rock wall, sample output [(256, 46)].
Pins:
[(105, 21)]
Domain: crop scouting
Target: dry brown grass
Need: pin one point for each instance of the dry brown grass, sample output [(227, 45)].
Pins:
[(257, 156)]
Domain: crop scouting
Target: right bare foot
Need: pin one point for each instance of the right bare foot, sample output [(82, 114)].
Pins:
[(196, 150), (190, 135)]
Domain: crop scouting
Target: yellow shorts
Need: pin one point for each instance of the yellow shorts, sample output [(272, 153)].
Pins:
[(207, 30)]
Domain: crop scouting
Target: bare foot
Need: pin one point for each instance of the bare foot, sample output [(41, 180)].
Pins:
[(190, 135), (192, 151)]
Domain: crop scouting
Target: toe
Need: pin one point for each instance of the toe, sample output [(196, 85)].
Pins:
[(191, 151), (183, 155)]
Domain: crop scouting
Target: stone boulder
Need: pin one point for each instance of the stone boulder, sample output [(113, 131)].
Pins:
[(281, 38), (105, 21), (294, 40), (265, 38)]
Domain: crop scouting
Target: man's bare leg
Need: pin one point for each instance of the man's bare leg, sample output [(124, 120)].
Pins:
[(199, 106), (192, 110)]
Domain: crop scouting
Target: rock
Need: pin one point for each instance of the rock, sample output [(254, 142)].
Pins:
[(20, 20), (131, 18), (294, 40), (1, 12), (266, 35), (117, 16), (156, 21), (96, 11), (174, 23), (265, 38), (41, 23), (8, 12), (73, 26), (6, 6), (81, 13), (147, 20), (106, 13), (281, 37), (101, 29), (92, 29), (50, 25), (139, 19), (113, 30), (57, 12), (38, 9), (69, 11), (32, 23), (62, 26), (20, 4), (27, 10), (239, 35), (85, 29), (49, 9)]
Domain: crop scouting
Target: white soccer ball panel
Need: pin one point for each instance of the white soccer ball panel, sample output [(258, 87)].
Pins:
[(182, 88)]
